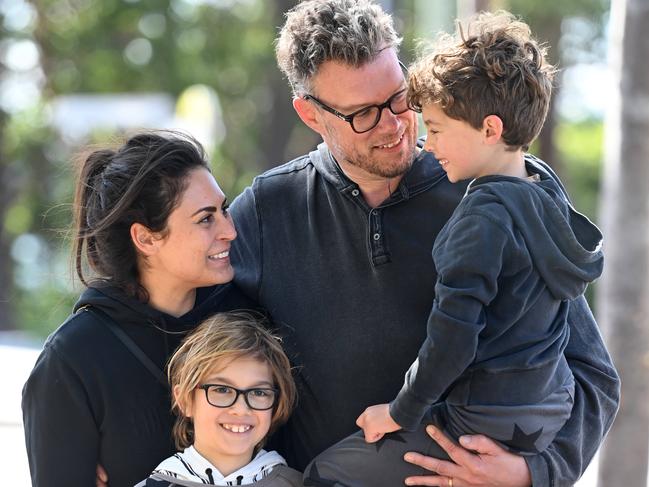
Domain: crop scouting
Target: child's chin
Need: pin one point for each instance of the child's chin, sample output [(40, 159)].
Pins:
[(457, 179)]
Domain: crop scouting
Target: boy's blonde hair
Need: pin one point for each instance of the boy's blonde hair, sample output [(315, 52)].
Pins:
[(493, 67), (220, 338)]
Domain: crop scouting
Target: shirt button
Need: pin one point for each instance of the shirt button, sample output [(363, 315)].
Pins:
[(377, 236), (355, 192)]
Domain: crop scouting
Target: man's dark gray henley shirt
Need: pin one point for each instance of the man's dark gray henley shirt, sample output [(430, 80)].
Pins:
[(351, 288)]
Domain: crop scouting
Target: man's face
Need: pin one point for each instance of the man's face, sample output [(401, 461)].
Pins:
[(388, 149)]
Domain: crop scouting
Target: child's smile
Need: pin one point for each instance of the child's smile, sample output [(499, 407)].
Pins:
[(227, 436)]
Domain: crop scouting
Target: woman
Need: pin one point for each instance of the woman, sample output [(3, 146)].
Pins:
[(152, 225)]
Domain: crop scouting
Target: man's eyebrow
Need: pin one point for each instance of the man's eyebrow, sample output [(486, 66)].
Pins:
[(208, 209), (359, 106)]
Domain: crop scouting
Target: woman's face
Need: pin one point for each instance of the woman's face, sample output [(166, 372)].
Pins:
[(195, 250)]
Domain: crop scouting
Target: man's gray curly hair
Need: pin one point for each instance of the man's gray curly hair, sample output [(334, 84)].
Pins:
[(353, 32)]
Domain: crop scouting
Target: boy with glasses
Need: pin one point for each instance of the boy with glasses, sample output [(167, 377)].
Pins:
[(232, 386)]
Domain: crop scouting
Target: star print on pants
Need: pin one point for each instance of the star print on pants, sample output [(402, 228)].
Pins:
[(315, 480), (390, 436), (524, 441)]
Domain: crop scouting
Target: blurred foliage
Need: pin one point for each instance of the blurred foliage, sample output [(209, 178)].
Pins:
[(581, 145), (165, 46), (107, 46)]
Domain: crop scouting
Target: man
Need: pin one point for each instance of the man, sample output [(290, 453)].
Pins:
[(336, 245)]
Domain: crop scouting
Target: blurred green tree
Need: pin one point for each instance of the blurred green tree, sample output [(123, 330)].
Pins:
[(574, 33), (161, 46), (136, 46)]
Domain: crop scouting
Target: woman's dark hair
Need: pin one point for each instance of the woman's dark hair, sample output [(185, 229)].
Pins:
[(141, 182)]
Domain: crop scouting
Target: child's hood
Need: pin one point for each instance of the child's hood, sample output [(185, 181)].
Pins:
[(564, 244), (192, 466)]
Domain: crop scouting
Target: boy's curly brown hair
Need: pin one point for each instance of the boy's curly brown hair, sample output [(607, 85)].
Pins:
[(493, 67)]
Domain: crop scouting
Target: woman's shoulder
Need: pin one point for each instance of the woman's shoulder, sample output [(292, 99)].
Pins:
[(80, 342), (96, 304), (78, 328), (66, 351)]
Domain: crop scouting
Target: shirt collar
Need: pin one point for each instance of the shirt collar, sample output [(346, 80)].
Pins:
[(424, 172)]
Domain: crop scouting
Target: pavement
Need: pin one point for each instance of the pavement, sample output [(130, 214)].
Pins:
[(15, 364)]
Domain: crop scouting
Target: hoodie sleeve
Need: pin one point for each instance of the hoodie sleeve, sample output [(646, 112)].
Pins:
[(466, 283), (246, 248), (597, 395), (60, 433)]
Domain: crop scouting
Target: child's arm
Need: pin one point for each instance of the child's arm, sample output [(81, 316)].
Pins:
[(468, 258), (376, 422)]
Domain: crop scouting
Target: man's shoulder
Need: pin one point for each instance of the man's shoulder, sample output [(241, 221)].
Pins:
[(291, 168), (279, 183)]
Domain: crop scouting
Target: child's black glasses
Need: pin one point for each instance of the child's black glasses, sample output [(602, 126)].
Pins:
[(257, 398)]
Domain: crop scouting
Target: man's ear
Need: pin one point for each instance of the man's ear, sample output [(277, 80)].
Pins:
[(145, 241), (492, 129), (308, 114)]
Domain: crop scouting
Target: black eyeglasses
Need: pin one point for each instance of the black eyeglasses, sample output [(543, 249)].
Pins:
[(367, 118), (222, 396)]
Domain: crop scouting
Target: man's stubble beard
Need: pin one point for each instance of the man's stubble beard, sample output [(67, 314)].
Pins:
[(370, 165)]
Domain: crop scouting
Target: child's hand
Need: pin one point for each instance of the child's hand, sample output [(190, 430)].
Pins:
[(376, 422)]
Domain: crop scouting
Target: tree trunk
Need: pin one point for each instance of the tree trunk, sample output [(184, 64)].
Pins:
[(550, 32), (624, 289), (7, 289), (282, 119)]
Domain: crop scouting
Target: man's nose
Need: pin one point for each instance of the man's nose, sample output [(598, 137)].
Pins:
[(389, 119)]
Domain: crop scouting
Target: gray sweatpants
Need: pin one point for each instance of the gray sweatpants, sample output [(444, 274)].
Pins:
[(354, 463)]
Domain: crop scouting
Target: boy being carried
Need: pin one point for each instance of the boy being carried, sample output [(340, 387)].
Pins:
[(511, 256)]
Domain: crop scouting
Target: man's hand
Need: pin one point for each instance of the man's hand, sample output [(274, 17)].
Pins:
[(481, 463), (376, 422), (102, 477)]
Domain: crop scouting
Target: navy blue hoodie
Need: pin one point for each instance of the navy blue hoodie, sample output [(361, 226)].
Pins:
[(510, 258)]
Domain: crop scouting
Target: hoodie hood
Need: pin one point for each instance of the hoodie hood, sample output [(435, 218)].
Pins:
[(566, 247), (192, 466), (127, 310), (155, 332)]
